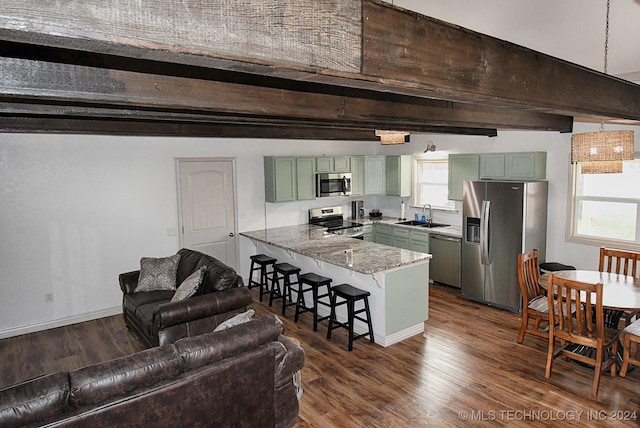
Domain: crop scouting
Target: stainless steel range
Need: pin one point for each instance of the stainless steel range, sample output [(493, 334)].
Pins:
[(333, 219)]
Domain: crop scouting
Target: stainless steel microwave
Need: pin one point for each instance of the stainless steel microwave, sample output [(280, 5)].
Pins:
[(335, 184)]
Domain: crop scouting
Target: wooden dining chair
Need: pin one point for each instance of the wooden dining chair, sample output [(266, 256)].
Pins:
[(534, 298), (631, 334), (620, 262), (582, 338)]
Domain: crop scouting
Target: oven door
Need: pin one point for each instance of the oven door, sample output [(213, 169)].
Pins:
[(333, 184)]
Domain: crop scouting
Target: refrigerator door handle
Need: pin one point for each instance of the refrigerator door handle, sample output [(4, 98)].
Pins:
[(484, 232)]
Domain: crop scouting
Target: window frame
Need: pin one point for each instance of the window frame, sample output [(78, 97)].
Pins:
[(417, 160), (572, 213)]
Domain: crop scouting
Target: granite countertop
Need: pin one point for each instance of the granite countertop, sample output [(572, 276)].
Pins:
[(455, 231), (354, 254)]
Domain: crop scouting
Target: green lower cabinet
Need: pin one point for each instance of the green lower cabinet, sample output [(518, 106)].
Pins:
[(419, 241), (401, 237), (368, 233), (384, 234)]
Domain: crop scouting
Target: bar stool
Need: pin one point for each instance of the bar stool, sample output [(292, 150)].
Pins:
[(314, 283), (350, 294), (263, 262), (284, 271)]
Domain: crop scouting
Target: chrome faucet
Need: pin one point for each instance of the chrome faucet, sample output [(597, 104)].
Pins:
[(430, 218)]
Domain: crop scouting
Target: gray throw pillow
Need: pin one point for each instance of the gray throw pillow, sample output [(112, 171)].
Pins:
[(236, 320), (189, 285), (158, 273)]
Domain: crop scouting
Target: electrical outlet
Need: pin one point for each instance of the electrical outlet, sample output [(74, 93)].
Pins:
[(48, 297)]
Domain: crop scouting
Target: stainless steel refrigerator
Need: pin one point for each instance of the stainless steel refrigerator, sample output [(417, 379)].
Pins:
[(500, 220)]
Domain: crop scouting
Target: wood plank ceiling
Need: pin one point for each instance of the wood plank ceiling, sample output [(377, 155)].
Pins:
[(280, 68)]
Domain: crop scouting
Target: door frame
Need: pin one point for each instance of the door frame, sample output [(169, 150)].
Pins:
[(233, 161)]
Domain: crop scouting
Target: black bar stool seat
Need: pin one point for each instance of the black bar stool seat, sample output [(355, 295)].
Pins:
[(284, 272), (314, 283), (263, 262), (350, 295)]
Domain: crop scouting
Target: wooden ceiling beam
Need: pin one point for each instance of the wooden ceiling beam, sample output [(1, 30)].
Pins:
[(357, 45), (55, 88), (133, 127)]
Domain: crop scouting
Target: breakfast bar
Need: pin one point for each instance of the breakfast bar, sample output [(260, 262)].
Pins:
[(397, 279)]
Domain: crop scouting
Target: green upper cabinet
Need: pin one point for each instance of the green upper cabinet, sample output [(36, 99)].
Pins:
[(280, 179), (398, 175), (374, 173), (342, 164), (461, 167), (289, 179), (357, 175), (514, 165), (306, 178), (494, 166), (333, 164), (526, 165)]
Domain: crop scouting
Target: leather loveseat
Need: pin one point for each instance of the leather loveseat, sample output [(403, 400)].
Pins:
[(158, 321), (242, 377)]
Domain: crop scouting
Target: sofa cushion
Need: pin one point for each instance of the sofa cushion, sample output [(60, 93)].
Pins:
[(99, 382), (190, 285), (33, 400), (158, 273), (131, 302), (235, 320)]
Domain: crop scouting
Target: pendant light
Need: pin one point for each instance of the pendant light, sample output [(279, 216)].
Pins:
[(603, 151)]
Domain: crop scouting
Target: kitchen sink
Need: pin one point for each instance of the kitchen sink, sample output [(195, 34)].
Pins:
[(412, 223), (422, 224)]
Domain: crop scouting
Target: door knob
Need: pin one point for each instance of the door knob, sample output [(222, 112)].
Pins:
[(232, 234)]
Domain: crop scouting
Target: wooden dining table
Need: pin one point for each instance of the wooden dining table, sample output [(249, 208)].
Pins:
[(619, 292)]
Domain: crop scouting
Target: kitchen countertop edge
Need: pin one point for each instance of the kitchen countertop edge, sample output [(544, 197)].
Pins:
[(353, 254)]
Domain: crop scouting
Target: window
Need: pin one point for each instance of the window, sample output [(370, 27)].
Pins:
[(606, 207), (431, 183)]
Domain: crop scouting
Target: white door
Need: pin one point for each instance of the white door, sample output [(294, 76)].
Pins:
[(206, 207)]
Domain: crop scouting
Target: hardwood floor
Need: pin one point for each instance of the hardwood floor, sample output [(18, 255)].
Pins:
[(467, 364)]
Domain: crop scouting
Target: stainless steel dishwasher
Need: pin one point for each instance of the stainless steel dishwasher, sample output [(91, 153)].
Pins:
[(445, 264)]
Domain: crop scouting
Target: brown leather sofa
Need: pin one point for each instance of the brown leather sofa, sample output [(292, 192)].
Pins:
[(158, 321), (240, 377)]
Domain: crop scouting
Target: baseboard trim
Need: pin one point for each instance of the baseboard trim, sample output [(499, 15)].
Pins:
[(32, 328), (401, 335)]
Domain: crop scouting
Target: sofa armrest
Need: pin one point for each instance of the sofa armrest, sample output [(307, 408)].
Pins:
[(206, 305), (129, 281), (288, 362)]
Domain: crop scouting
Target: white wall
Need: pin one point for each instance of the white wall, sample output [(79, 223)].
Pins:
[(76, 211)]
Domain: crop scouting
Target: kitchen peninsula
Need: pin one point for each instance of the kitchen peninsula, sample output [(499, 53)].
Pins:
[(397, 279)]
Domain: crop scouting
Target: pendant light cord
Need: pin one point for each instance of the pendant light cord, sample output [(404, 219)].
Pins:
[(606, 48), (606, 39)]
